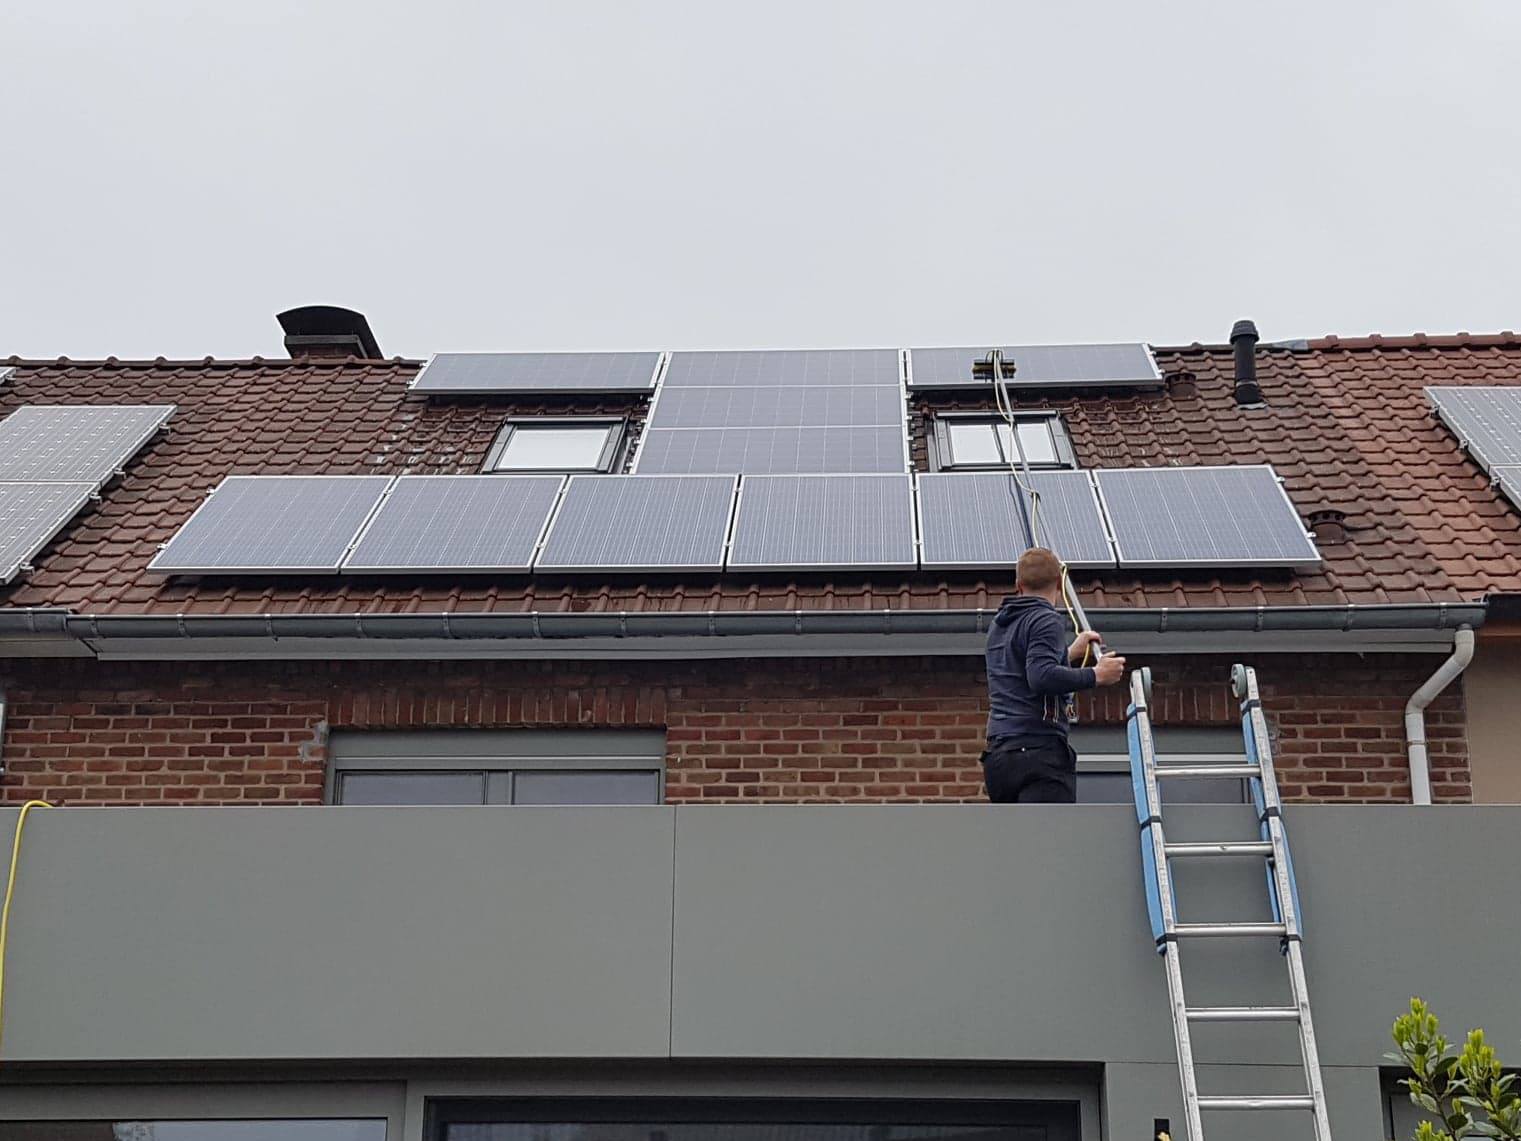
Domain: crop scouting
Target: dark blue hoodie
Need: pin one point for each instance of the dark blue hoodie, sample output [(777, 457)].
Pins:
[(1028, 672)]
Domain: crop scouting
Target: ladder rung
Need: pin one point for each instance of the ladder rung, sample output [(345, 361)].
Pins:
[(1222, 848), (1236, 771), (1243, 1014), (1299, 1101), (1224, 930)]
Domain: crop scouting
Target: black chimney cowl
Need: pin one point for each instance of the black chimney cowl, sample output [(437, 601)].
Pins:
[(327, 331), (1244, 342)]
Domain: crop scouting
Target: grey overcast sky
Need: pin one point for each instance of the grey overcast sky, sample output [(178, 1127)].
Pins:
[(706, 175)]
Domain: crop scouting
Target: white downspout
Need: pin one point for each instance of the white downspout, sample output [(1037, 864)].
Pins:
[(1415, 713)]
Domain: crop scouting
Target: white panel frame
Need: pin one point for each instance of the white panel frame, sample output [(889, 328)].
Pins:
[(912, 565), (1314, 563)]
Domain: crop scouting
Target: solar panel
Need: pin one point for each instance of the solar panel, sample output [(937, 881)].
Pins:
[(30, 515), (782, 406), (640, 522), (972, 519), (538, 372), (789, 522), (770, 368), (761, 451), (293, 523), (75, 443), (5, 374), (1507, 478), (457, 523), (1126, 365), (1208, 516), (1486, 420)]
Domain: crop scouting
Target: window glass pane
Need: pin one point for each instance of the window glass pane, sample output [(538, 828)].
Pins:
[(409, 788), (584, 786), (973, 442), (554, 447), (193, 1130)]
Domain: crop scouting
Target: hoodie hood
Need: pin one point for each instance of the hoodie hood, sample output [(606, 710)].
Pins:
[(1016, 604)]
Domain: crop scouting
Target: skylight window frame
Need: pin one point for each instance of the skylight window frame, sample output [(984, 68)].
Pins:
[(607, 461), (942, 456)]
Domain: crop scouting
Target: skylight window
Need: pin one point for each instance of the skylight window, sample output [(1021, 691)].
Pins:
[(985, 442), (563, 444)]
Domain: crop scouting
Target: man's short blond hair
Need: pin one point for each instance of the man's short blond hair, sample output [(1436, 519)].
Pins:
[(1039, 570)]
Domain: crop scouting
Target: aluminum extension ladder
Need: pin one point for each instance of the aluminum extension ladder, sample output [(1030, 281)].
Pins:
[(1272, 845)]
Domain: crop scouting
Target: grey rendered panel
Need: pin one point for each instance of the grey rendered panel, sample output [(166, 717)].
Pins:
[(773, 367), (457, 523), (1127, 364), (761, 451), (538, 372), (787, 522), (1487, 420), (297, 523), (30, 515), (640, 522), (972, 520), (76, 443), (1205, 516), (343, 933)]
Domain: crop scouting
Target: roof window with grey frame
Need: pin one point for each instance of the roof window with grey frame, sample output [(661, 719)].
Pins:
[(558, 444), (984, 441), (508, 766)]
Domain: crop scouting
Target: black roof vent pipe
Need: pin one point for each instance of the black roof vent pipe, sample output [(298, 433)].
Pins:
[(327, 331), (1244, 342)]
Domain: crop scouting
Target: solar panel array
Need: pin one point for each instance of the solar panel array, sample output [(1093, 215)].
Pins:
[(771, 412), (801, 522), (973, 519), (440, 523), (484, 373), (1203, 516), (1126, 365), (53, 458), (640, 522)]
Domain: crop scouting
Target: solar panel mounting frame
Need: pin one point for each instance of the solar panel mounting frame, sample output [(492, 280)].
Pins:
[(913, 519), (1314, 563)]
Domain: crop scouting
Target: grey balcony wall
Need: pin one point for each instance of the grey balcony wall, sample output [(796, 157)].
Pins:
[(950, 934)]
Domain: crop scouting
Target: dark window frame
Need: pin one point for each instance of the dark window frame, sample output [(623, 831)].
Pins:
[(942, 458), (612, 448), (1061, 1117)]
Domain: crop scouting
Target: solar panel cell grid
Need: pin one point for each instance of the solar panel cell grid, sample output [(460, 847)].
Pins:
[(538, 372), (75, 443), (812, 368), (1207, 516), (293, 523), (771, 450), (1487, 420), (972, 519), (457, 523), (1126, 364), (788, 522), (640, 522)]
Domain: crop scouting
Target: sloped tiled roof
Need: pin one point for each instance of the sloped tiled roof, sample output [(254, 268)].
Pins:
[(1346, 424)]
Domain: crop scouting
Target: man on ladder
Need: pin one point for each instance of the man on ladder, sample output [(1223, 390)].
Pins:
[(1031, 670)]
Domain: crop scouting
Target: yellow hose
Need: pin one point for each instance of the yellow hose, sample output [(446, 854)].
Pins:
[(10, 895)]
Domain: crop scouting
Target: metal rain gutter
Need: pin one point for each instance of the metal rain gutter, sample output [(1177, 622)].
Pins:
[(537, 625)]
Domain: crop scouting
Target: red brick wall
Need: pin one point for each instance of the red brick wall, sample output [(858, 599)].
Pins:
[(783, 730)]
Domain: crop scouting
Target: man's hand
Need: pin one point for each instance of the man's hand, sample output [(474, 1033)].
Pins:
[(1109, 669), (1079, 648)]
